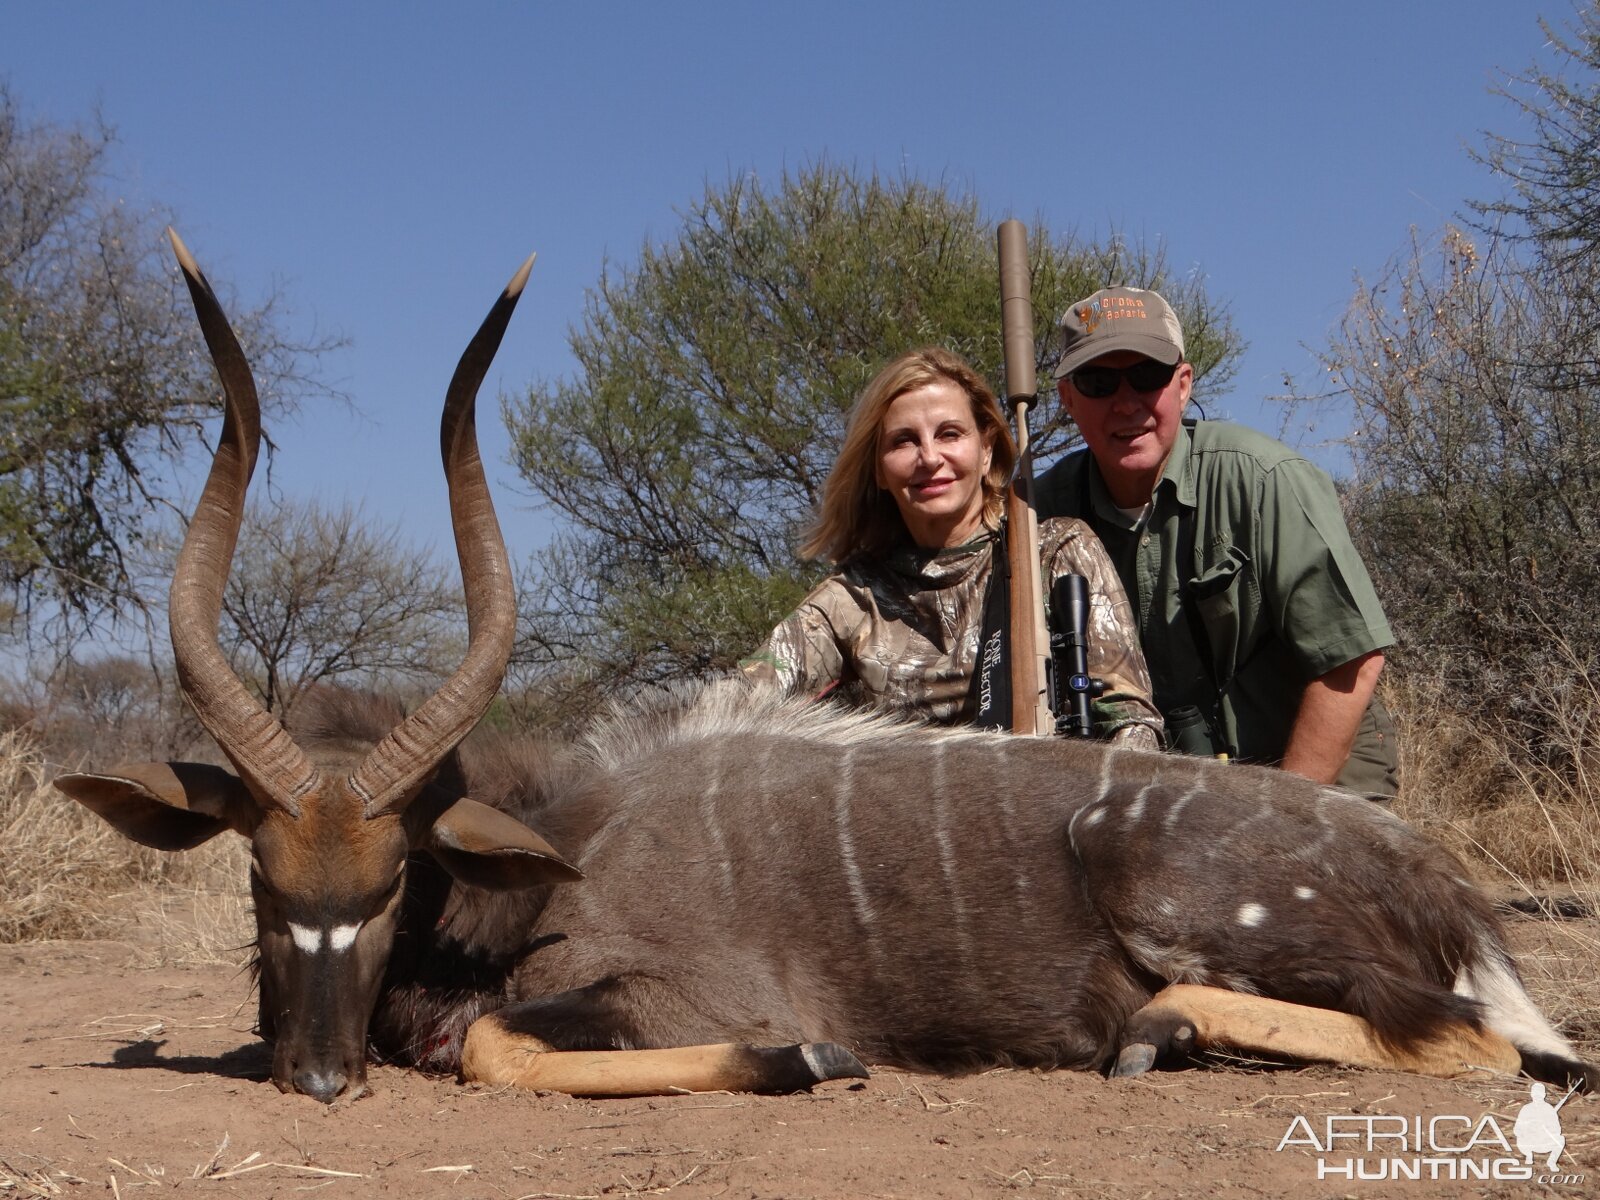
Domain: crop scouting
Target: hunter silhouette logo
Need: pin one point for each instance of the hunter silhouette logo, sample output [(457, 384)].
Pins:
[(1368, 1147), (1538, 1127)]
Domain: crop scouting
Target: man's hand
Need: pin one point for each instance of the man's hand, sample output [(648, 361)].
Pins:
[(1330, 713)]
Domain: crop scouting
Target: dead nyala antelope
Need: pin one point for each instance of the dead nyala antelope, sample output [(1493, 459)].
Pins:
[(771, 889)]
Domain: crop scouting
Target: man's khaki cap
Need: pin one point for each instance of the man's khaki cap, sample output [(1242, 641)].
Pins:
[(1119, 318)]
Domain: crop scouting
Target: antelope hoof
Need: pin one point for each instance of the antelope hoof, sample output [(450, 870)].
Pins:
[(1155, 1034), (1561, 1071), (1134, 1059), (829, 1060)]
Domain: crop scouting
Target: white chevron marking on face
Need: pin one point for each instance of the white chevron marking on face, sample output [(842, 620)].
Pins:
[(310, 941)]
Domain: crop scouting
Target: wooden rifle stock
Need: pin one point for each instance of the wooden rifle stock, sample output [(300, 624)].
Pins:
[(1030, 642)]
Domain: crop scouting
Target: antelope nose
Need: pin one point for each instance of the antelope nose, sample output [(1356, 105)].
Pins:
[(320, 1085)]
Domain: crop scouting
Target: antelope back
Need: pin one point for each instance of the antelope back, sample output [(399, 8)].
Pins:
[(870, 882)]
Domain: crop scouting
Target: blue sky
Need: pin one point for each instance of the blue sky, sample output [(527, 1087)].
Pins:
[(390, 165)]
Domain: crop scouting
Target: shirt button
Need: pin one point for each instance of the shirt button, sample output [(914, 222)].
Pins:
[(1145, 540)]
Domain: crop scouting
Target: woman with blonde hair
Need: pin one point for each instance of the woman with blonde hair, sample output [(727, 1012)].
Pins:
[(911, 516)]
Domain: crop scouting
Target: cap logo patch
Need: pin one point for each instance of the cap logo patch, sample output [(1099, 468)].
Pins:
[(1110, 308)]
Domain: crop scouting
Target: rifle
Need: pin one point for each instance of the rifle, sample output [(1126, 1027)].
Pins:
[(1030, 643)]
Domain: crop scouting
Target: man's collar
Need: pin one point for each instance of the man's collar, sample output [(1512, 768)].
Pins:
[(1179, 469), (1101, 504), (1178, 473)]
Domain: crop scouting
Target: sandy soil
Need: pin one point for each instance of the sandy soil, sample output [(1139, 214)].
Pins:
[(129, 1080)]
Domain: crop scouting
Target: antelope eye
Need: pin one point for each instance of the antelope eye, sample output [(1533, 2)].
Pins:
[(389, 892), (385, 899), (258, 880)]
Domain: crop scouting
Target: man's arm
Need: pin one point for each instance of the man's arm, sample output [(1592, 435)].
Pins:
[(1330, 713)]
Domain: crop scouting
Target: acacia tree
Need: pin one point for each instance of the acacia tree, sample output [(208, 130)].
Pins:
[(103, 379), (1472, 370), (1477, 448), (113, 705), (714, 375), (1553, 172), (316, 596)]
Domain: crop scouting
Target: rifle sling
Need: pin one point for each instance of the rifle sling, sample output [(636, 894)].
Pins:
[(991, 676)]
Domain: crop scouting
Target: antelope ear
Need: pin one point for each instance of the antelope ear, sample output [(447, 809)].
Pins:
[(484, 847), (170, 806)]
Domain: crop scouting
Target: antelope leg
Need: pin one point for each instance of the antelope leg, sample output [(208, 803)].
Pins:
[(1186, 1017), (496, 1054)]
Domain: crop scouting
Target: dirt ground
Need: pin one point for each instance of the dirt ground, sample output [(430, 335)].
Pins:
[(124, 1079)]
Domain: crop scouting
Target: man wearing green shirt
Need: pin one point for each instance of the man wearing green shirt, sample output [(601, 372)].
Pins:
[(1253, 606)]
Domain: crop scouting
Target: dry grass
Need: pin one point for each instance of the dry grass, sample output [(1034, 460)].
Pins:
[(1526, 818), (65, 873)]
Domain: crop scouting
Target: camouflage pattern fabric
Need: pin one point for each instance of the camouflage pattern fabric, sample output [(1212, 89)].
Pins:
[(902, 632)]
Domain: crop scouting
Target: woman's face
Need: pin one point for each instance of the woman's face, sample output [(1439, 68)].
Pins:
[(932, 459)]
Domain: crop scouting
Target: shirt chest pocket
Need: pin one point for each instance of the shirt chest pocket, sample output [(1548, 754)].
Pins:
[(1219, 599)]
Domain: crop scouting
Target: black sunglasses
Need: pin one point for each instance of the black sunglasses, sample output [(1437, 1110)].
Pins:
[(1100, 383)]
